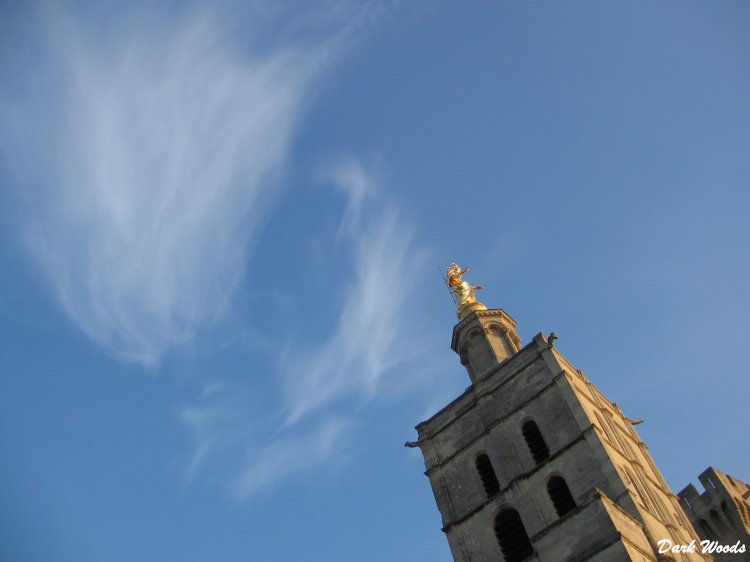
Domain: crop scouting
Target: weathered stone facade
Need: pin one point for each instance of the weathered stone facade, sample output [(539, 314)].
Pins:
[(721, 514), (532, 462)]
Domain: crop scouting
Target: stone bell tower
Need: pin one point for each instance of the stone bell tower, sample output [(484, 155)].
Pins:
[(533, 462)]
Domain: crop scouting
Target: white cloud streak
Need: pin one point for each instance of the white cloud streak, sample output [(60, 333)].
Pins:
[(251, 455), (350, 178), (152, 157), (147, 157), (339, 373), (367, 342), (284, 457), (209, 429)]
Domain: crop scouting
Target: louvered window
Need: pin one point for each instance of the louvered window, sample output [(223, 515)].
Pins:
[(535, 441), (560, 495), (511, 534), (487, 475)]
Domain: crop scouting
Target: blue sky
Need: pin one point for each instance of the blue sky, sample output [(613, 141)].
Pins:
[(221, 229)]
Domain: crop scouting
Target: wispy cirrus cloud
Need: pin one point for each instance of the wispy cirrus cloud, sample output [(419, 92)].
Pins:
[(350, 178), (367, 342), (294, 452), (249, 455), (146, 156), (326, 382), (146, 153), (217, 422)]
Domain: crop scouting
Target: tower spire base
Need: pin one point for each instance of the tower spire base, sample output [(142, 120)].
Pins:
[(468, 308)]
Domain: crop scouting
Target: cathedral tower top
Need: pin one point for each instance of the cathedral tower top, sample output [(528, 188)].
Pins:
[(482, 338)]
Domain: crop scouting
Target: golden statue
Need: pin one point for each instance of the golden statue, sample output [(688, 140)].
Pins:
[(463, 293)]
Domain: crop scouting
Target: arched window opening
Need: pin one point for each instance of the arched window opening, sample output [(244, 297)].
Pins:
[(560, 495), (512, 536), (487, 474), (716, 520), (535, 441), (661, 509), (605, 428), (638, 489), (706, 530), (627, 448), (726, 512), (502, 341)]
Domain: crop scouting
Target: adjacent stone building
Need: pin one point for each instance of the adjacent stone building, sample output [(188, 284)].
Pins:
[(721, 514), (533, 462)]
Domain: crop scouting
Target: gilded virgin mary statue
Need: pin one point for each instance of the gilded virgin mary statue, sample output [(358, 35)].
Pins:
[(462, 291)]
